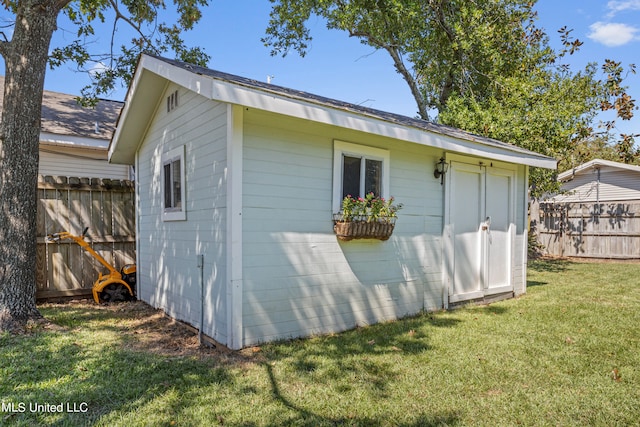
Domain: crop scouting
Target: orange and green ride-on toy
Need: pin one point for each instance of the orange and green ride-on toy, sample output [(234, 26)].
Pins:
[(116, 286)]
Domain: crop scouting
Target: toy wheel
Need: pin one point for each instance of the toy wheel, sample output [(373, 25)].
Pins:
[(115, 292)]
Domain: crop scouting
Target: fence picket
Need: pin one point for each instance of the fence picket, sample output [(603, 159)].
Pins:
[(590, 230), (70, 204)]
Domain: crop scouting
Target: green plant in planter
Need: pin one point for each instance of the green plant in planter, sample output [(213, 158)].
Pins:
[(368, 209), (368, 217)]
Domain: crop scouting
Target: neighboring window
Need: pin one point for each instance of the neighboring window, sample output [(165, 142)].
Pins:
[(173, 188), (359, 170)]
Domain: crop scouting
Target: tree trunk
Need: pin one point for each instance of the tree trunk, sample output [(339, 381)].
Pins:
[(25, 58)]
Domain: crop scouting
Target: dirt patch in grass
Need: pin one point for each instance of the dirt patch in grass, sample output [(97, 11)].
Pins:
[(150, 330)]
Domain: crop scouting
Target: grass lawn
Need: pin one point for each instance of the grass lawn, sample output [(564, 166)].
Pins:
[(567, 353)]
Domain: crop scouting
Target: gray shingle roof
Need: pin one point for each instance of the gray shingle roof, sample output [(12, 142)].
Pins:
[(62, 115), (358, 109)]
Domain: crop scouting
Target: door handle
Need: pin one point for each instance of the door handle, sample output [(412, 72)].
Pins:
[(486, 225)]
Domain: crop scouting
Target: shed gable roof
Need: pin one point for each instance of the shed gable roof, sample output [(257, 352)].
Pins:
[(155, 72)]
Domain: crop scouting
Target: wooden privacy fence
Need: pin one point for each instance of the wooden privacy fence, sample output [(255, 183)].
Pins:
[(590, 230), (71, 204)]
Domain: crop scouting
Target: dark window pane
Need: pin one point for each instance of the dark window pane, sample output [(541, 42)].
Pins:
[(351, 176), (167, 185), (176, 184), (373, 177)]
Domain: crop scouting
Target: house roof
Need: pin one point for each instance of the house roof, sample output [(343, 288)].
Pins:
[(595, 164), (154, 72), (63, 117)]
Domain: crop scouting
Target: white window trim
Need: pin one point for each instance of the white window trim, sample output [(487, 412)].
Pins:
[(174, 214), (340, 149)]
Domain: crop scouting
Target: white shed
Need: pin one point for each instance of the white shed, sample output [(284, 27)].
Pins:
[(237, 181)]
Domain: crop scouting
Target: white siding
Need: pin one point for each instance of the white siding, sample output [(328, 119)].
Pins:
[(615, 185), (79, 163), (298, 279), (167, 251)]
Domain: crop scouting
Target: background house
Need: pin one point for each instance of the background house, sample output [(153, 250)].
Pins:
[(237, 181), (597, 215), (599, 181), (74, 139)]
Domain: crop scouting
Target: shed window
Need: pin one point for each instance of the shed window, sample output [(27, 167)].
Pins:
[(173, 188), (361, 176), (359, 170)]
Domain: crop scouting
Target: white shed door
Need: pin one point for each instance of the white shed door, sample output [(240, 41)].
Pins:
[(500, 232), (480, 224)]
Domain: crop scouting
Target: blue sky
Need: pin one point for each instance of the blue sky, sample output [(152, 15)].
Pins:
[(339, 67)]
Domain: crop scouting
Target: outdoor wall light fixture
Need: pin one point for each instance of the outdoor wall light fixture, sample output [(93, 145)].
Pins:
[(441, 168)]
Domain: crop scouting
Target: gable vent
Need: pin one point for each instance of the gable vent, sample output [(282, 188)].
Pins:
[(172, 101)]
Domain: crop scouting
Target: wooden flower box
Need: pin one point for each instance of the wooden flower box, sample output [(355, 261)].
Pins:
[(375, 229)]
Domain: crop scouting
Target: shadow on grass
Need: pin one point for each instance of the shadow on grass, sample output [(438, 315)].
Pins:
[(60, 370), (310, 418), (549, 265), (71, 316), (360, 362), (408, 336), (114, 383), (104, 316), (492, 309), (534, 283)]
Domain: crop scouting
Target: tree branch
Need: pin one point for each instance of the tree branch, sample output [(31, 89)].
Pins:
[(401, 68), (133, 25), (413, 85), (61, 4)]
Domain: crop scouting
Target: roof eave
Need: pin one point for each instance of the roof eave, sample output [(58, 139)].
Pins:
[(140, 104), (595, 164), (152, 71)]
